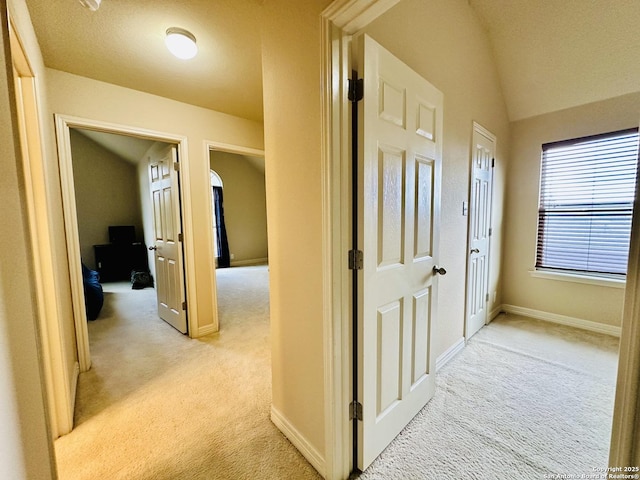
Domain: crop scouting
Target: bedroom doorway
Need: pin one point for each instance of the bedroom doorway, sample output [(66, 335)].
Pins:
[(66, 127), (238, 212)]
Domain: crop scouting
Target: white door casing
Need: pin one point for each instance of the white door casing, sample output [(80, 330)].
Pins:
[(482, 158), (400, 134), (165, 203)]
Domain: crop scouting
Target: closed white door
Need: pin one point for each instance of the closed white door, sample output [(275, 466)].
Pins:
[(482, 159), (165, 200), (400, 134)]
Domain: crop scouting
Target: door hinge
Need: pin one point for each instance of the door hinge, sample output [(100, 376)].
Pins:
[(493, 162), (490, 231), (184, 306), (355, 259), (176, 166), (356, 89), (180, 237), (486, 298), (355, 411)]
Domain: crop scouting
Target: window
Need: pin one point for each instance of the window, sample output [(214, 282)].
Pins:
[(587, 189)]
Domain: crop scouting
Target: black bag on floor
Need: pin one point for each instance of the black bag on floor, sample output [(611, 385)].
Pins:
[(141, 280)]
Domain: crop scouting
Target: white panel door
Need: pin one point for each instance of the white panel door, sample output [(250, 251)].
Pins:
[(400, 133), (483, 153), (165, 201)]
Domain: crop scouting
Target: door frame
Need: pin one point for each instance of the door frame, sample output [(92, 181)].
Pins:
[(340, 21), (210, 145), (55, 372), (63, 126), (477, 128)]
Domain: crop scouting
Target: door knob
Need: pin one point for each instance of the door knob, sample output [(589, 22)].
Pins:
[(153, 248), (439, 270), (475, 250)]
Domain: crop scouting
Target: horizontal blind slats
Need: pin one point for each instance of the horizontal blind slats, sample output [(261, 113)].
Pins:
[(586, 204)]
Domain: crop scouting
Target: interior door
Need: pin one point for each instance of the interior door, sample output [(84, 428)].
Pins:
[(400, 133), (165, 201), (483, 153)]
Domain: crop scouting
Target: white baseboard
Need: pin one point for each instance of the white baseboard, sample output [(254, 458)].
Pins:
[(251, 261), (74, 391), (563, 320), (297, 439), (495, 312), (451, 352), (202, 331)]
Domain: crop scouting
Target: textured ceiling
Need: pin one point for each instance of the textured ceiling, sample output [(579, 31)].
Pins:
[(550, 54), (557, 54), (123, 43)]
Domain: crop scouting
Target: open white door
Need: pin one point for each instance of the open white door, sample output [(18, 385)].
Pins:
[(400, 134), (165, 201), (482, 160)]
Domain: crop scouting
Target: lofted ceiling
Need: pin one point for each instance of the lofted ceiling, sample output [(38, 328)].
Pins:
[(550, 54), (557, 54)]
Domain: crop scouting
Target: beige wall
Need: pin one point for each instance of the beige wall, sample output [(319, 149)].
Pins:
[(291, 86), (25, 447), (443, 41), (90, 99), (244, 205), (585, 302), (106, 188)]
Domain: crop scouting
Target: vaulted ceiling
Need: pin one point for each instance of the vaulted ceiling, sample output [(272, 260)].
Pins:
[(557, 54), (550, 54)]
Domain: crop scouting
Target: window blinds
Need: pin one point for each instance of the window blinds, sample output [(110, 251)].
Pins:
[(587, 191)]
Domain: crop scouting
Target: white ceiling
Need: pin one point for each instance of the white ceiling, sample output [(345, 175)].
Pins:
[(550, 54), (123, 43), (131, 149), (557, 54)]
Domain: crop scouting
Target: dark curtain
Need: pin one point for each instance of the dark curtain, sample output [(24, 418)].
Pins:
[(224, 259)]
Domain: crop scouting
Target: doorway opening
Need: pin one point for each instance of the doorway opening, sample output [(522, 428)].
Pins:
[(64, 127), (238, 218)]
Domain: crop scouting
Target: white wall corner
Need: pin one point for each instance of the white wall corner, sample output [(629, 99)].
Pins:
[(451, 352), (563, 320), (299, 441)]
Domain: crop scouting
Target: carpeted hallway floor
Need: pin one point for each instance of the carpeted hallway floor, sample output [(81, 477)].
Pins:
[(158, 405), (523, 399)]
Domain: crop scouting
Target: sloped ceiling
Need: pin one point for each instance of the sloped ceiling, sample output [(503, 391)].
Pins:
[(557, 54), (550, 54), (131, 149)]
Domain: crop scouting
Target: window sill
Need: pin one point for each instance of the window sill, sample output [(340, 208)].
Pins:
[(576, 278)]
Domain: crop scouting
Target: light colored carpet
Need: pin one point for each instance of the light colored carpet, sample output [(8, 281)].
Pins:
[(158, 405), (524, 399)]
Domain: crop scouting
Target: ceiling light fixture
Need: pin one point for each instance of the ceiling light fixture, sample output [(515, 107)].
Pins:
[(181, 43), (92, 5)]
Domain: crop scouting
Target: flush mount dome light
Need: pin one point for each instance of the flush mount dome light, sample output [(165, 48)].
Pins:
[(92, 5), (181, 43)]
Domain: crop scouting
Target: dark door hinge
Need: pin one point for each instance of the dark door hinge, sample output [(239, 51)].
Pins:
[(184, 306), (356, 89), (176, 166), (355, 411), (180, 237), (493, 162), (355, 259)]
